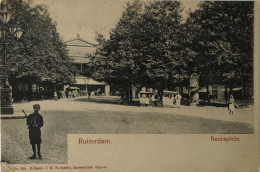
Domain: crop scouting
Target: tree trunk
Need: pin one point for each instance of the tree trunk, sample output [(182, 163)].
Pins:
[(29, 89), (207, 89), (56, 89), (230, 90), (166, 88), (130, 94)]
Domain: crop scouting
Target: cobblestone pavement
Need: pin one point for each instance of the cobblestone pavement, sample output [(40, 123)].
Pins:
[(80, 117)]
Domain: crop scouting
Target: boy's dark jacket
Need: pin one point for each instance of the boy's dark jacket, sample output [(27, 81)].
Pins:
[(34, 121)]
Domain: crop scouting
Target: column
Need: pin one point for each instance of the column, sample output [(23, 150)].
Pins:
[(107, 90)]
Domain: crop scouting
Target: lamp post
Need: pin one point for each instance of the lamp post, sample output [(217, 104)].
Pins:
[(5, 88)]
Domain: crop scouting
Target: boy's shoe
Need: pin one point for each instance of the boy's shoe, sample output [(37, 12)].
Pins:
[(33, 157), (40, 156)]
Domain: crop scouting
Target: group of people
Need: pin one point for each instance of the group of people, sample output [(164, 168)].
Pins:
[(230, 101), (73, 94), (61, 94), (176, 99)]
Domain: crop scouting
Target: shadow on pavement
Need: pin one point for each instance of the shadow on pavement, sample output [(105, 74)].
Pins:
[(108, 100), (238, 104), (116, 101), (101, 100), (202, 104)]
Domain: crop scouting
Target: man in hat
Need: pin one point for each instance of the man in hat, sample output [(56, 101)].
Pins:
[(35, 122)]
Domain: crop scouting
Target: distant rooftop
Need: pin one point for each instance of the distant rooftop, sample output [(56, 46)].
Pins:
[(82, 80), (78, 41), (80, 49)]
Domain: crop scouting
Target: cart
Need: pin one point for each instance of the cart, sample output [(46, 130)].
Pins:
[(145, 98), (168, 98)]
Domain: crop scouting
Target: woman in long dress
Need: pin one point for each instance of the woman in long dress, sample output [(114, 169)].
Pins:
[(231, 104), (178, 100)]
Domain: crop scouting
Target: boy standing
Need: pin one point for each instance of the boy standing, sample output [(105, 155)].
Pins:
[(35, 122)]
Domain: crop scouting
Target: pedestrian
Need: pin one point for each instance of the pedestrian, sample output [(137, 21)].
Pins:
[(73, 94), (174, 100), (178, 100), (35, 122), (231, 104), (55, 95), (196, 97), (69, 94)]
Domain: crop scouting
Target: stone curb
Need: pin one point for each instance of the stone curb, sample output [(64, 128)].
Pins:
[(12, 116)]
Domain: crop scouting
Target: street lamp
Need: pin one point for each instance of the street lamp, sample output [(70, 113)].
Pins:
[(6, 89)]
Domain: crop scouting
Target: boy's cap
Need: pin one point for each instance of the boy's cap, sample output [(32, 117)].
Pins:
[(36, 105)]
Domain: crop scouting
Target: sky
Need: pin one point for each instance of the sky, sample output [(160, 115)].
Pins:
[(86, 17)]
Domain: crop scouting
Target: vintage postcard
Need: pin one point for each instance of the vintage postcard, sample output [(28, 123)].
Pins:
[(129, 86)]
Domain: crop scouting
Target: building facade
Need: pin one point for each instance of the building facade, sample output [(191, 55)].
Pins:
[(81, 52)]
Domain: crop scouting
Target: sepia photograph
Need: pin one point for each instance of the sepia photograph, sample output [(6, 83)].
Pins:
[(122, 67)]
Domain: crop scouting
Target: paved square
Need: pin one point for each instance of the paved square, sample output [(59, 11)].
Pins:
[(85, 117)]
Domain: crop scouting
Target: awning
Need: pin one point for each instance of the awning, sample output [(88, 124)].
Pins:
[(237, 89), (234, 89), (204, 90), (145, 92), (223, 89), (81, 80), (170, 92), (73, 88)]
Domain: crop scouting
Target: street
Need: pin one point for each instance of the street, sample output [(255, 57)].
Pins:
[(83, 116)]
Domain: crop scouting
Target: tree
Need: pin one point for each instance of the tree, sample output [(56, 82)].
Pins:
[(40, 55), (144, 49), (151, 45), (222, 39), (114, 62), (163, 37)]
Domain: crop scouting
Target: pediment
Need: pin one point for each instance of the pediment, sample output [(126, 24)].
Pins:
[(79, 43)]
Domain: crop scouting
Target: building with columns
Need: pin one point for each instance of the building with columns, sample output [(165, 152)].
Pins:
[(81, 52)]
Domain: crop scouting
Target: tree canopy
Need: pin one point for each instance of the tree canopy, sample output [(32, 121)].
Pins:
[(144, 47), (222, 37), (153, 46), (39, 55)]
